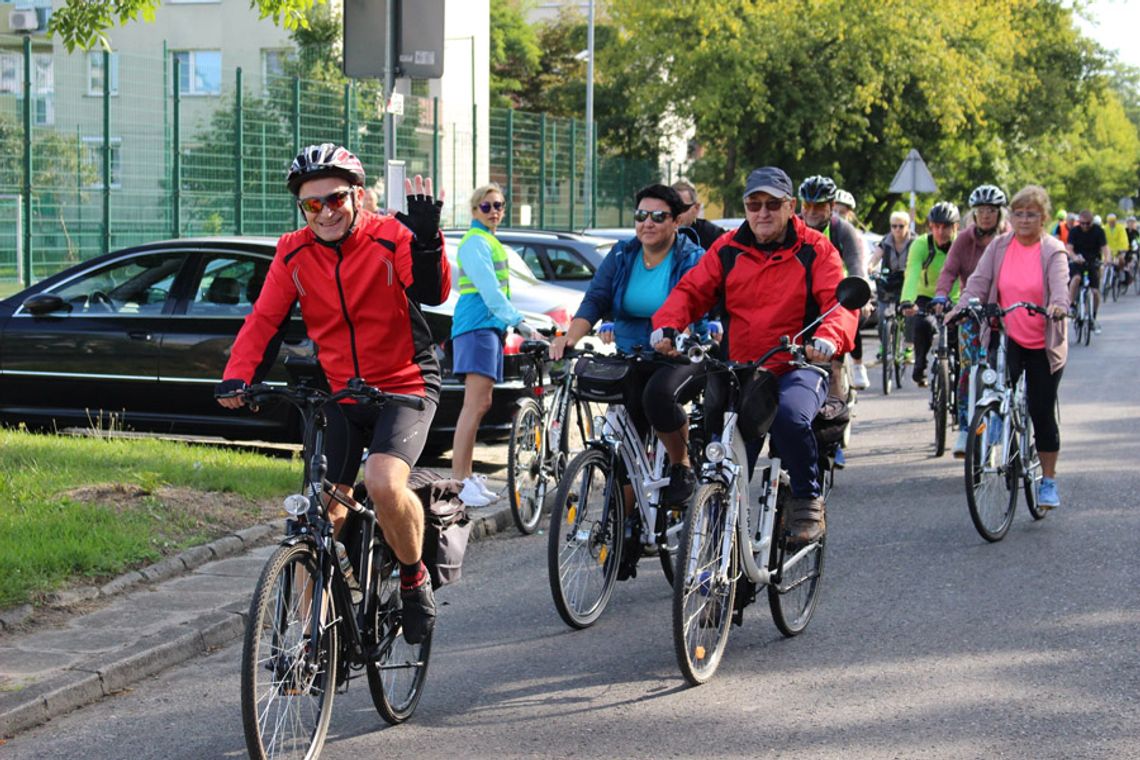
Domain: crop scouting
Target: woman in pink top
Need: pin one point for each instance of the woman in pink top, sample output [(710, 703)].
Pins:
[(1029, 265)]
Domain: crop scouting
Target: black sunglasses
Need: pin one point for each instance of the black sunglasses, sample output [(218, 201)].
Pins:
[(317, 203), (657, 216), (486, 206)]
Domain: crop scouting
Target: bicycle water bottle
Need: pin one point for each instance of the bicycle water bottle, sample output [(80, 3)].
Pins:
[(346, 568)]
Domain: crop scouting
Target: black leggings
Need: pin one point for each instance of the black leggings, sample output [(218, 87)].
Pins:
[(661, 400), (1040, 390)]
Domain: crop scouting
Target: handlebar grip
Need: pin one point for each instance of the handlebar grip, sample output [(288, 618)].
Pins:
[(405, 399), (534, 346)]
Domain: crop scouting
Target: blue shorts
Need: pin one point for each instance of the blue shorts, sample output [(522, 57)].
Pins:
[(478, 351)]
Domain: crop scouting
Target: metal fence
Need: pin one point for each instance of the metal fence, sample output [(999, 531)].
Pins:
[(102, 151)]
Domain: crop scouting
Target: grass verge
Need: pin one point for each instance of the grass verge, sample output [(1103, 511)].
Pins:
[(80, 510)]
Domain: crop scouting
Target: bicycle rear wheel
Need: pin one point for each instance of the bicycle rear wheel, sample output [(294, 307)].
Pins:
[(940, 403), (584, 548), (1031, 468), (396, 675), (525, 466), (286, 688), (794, 591), (702, 599), (886, 346), (991, 473)]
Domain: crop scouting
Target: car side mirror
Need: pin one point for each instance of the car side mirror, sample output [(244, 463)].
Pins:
[(45, 303), (853, 292)]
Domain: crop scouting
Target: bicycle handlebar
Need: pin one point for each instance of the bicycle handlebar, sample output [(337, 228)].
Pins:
[(301, 396)]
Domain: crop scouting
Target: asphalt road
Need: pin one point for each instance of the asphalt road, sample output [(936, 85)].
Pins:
[(928, 642)]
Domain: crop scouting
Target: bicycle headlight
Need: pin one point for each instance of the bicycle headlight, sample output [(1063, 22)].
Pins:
[(989, 376), (599, 424), (296, 504), (715, 452)]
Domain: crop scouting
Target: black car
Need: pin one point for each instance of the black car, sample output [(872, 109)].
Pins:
[(138, 338)]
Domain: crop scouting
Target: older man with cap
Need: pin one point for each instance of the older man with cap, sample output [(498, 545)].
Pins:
[(771, 277)]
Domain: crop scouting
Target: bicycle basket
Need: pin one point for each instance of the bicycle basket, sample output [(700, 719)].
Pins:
[(601, 378)]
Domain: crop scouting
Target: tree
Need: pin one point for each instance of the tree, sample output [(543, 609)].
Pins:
[(514, 51), (82, 23)]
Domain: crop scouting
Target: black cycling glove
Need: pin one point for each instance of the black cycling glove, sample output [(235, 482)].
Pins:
[(422, 219), (229, 388)]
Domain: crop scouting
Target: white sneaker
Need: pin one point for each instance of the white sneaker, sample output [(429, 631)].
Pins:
[(1096, 328), (482, 481), (959, 449), (859, 378), (472, 495)]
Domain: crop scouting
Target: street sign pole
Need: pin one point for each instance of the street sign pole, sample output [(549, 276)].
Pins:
[(913, 177)]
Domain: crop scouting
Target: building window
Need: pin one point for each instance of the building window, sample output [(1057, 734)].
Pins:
[(200, 72), (93, 158), (272, 67), (11, 78), (95, 74)]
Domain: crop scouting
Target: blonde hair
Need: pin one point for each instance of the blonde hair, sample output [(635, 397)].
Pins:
[(483, 191), (900, 216), (1032, 195)]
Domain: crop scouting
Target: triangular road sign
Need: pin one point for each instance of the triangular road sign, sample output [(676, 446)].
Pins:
[(913, 176)]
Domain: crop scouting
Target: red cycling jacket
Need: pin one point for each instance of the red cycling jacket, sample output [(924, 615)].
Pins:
[(763, 294), (360, 303)]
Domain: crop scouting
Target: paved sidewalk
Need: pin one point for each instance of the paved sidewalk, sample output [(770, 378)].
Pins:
[(158, 617)]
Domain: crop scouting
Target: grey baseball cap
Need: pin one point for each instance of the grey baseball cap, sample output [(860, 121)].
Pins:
[(769, 179)]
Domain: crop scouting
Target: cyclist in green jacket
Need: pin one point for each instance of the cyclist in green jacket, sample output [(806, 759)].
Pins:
[(923, 265)]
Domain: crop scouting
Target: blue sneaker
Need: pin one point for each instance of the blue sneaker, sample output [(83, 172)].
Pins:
[(1047, 495), (840, 459)]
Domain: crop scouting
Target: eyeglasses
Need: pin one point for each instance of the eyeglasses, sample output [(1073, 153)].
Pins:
[(898, 226), (772, 204), (657, 216), (1027, 216), (316, 204), (486, 206)]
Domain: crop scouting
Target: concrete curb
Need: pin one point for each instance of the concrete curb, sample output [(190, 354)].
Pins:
[(93, 680)]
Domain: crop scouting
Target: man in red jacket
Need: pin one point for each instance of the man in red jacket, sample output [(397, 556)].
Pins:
[(360, 278), (772, 277)]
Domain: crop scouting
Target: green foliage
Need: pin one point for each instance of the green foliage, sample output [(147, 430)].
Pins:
[(514, 51), (82, 23), (988, 92)]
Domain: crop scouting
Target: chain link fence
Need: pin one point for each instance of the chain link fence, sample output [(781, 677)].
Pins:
[(127, 149)]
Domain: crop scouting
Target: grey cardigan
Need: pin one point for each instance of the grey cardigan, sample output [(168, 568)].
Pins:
[(983, 285)]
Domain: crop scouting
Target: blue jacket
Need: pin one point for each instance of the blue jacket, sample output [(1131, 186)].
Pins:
[(488, 309), (607, 288)]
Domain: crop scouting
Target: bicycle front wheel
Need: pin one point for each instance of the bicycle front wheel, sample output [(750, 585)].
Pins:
[(794, 591), (702, 594), (991, 473), (397, 673), (1031, 461), (585, 543), (287, 688), (525, 466), (940, 402), (1088, 317)]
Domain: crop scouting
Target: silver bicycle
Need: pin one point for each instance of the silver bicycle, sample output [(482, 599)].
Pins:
[(589, 528), (729, 537)]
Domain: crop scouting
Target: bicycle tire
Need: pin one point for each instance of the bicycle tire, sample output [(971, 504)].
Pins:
[(940, 401), (396, 676), (1030, 479), (886, 347), (1089, 316), (900, 365), (584, 548), (991, 488), (286, 695), (525, 466), (793, 600), (702, 606)]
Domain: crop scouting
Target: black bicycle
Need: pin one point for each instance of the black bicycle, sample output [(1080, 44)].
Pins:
[(547, 431), (943, 387), (317, 620), (890, 332)]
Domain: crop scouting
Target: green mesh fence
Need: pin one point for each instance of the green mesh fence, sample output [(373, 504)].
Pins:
[(181, 150)]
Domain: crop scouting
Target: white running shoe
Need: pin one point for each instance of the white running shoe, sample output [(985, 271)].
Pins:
[(482, 481), (859, 378), (472, 495), (959, 449)]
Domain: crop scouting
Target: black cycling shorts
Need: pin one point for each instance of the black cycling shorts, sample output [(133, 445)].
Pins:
[(390, 429), (1093, 269)]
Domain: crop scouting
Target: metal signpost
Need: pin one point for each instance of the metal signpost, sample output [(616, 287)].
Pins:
[(913, 177)]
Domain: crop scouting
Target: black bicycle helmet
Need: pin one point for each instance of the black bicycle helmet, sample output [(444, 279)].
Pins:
[(817, 189), (324, 160), (943, 212), (987, 195)]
